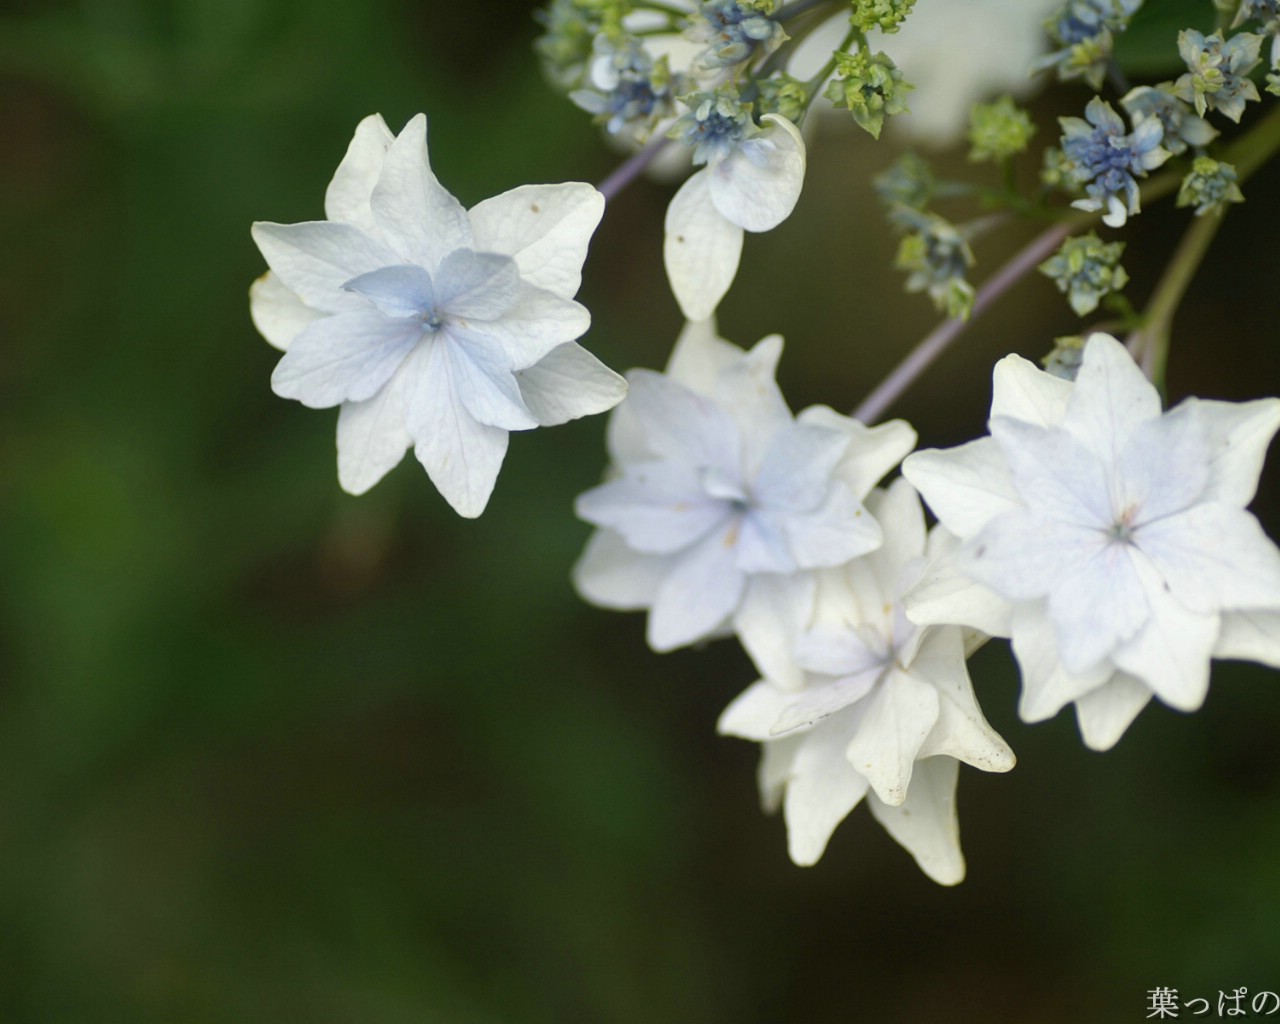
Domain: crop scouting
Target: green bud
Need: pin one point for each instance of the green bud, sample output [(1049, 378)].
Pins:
[(886, 15), (1209, 185), (908, 182), (998, 130), (1085, 269), (871, 87), (1065, 359), (782, 94), (936, 256)]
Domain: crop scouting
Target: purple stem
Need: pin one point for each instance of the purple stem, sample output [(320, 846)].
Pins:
[(630, 168), (936, 341)]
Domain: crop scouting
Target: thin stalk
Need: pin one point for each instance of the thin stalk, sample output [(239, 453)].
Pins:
[(802, 7), (1149, 344), (940, 338), (632, 167)]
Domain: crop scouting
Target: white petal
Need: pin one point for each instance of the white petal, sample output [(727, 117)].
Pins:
[(567, 383), (1250, 636), (925, 823), (701, 249), (1023, 391), (530, 329), (372, 436), (836, 531), (872, 452), (1055, 474), (1238, 434), (774, 771), (946, 595), (1047, 687), (701, 592), (1102, 603), (897, 720), (797, 468), (1171, 652), (316, 259), (682, 426), (897, 507), (1214, 557), (816, 703), (961, 730), (1105, 713), (822, 791), (403, 290), (544, 228), (483, 381), (610, 574), (1164, 468), (747, 390), (414, 213), (278, 314), (476, 285), (347, 198), (656, 507), (758, 185), (346, 357), (700, 355), (1023, 555), (966, 487), (775, 610), (752, 714), (461, 456), (761, 543), (1111, 397)]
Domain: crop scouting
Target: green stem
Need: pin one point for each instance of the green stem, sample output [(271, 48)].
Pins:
[(1149, 344)]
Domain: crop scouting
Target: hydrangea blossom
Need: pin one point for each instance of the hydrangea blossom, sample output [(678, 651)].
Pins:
[(885, 709), (1217, 78), (626, 89), (1108, 539), (429, 325), (1182, 127), (734, 32), (1085, 30), (751, 182), (1106, 160), (720, 502)]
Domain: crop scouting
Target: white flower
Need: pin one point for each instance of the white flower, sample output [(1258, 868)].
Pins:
[(750, 184), (721, 501), (428, 324), (1109, 540), (886, 710)]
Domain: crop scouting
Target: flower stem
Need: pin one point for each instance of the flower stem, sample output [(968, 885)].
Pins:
[(801, 7), (632, 167), (940, 338), (1149, 344)]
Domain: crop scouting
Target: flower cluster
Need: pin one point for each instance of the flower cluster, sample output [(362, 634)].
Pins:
[(1216, 78), (1107, 161), (1085, 269), (1085, 31)]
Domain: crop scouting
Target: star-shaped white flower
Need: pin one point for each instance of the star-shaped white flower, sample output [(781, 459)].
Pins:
[(1108, 539), (749, 185), (721, 503), (431, 326), (885, 709)]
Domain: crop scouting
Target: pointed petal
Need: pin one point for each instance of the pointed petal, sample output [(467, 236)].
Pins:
[(774, 771), (544, 228), (403, 290), (1099, 605), (758, 185), (483, 381), (1250, 636), (797, 467), (346, 357), (1105, 713), (476, 285), (1214, 557), (315, 259), (611, 575), (925, 824), (461, 456), (656, 507), (372, 436), (1164, 468), (701, 591), (823, 789), (895, 724), (568, 383), (1238, 434), (681, 426), (816, 703), (752, 714), (701, 249), (1023, 391), (1047, 687), (898, 508), (961, 730), (872, 452), (1171, 652), (946, 595), (1022, 555), (277, 313), (966, 487), (347, 198), (414, 213), (835, 532), (747, 390), (775, 610), (700, 355), (1111, 397), (536, 324), (1055, 474)]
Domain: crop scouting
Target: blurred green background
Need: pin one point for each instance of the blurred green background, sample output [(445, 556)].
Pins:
[(271, 753)]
